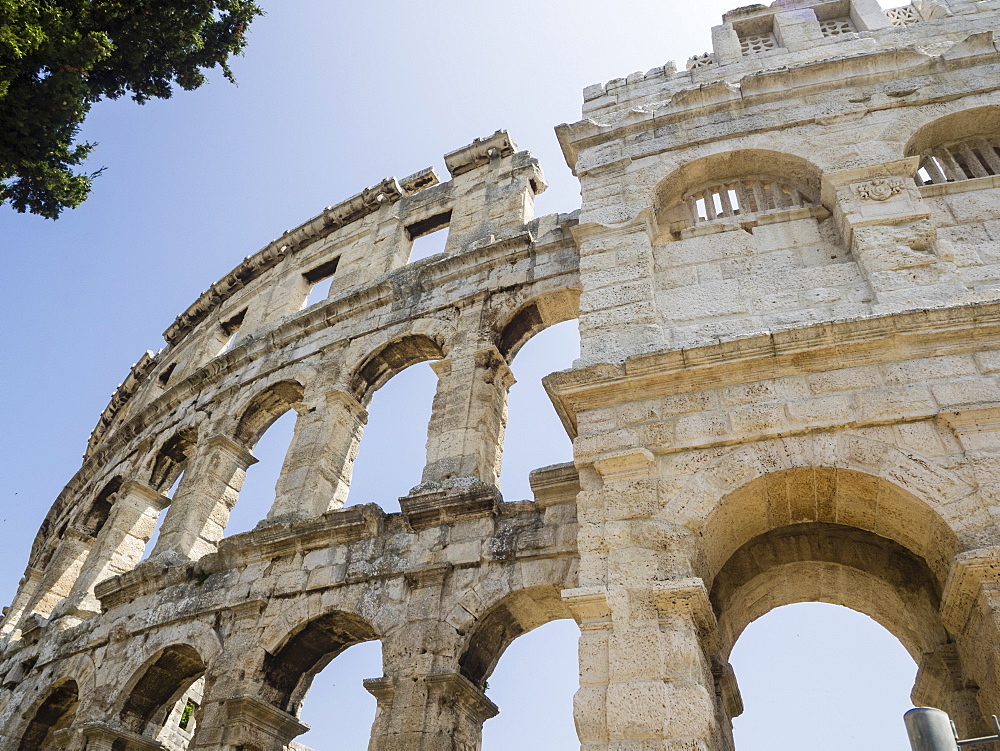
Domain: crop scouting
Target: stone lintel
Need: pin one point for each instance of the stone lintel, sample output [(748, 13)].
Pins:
[(971, 573), (470, 697), (479, 152), (589, 606), (232, 449), (553, 485), (250, 721), (103, 735), (432, 507), (628, 464), (340, 526)]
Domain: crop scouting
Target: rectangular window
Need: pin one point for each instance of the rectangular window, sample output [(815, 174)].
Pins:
[(231, 328), (427, 237), (319, 280)]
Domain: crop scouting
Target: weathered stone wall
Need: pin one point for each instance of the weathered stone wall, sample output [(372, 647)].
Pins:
[(787, 273)]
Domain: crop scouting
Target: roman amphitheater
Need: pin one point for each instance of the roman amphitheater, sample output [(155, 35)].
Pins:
[(786, 271)]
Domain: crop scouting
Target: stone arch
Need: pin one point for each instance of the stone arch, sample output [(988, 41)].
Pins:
[(854, 480), (534, 316), (790, 172), (498, 625), (155, 687), (264, 408), (959, 146), (289, 667), (389, 360), (835, 564), (92, 521), (50, 714), (172, 457)]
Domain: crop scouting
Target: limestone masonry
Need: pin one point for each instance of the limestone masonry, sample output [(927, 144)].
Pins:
[(786, 270)]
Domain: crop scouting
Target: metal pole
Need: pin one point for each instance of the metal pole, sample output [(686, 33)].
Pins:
[(930, 730)]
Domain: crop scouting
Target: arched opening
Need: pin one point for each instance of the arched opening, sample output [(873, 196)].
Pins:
[(541, 338), (843, 538), (735, 185), (397, 386), (288, 671), (533, 684), (514, 616), (93, 521), (821, 676), (172, 458), (265, 427), (961, 146), (341, 685), (53, 714), (163, 684)]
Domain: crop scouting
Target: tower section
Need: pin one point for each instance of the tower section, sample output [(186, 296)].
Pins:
[(790, 274)]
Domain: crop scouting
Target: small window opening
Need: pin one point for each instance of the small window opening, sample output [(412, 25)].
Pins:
[(231, 328), (167, 372), (319, 278), (187, 714), (426, 238)]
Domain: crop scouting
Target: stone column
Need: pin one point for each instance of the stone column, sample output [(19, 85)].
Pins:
[(424, 702), (255, 725), (651, 674), (465, 434), (883, 220), (25, 592), (970, 609), (119, 545), (200, 509), (62, 571), (316, 474)]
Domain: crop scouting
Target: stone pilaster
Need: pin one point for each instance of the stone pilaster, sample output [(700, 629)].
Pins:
[(62, 572), (200, 509), (25, 592), (437, 712), (941, 682), (316, 474), (970, 610), (465, 434), (119, 545)]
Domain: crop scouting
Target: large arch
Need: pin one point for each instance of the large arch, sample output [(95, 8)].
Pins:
[(264, 408), (511, 616), (53, 713), (288, 668), (390, 359), (152, 692), (835, 564), (534, 316)]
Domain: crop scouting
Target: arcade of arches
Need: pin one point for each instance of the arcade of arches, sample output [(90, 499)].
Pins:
[(786, 272)]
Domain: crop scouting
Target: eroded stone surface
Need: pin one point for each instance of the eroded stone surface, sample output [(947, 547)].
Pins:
[(786, 269)]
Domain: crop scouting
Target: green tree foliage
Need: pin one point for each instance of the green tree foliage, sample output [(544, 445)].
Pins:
[(59, 57)]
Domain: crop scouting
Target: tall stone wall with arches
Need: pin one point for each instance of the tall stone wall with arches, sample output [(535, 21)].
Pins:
[(786, 270)]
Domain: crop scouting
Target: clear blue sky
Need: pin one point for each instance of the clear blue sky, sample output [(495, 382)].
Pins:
[(333, 97)]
